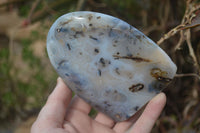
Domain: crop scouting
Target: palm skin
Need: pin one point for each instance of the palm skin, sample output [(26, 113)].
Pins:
[(64, 114)]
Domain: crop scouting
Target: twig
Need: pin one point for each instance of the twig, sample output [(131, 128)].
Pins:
[(44, 11), (187, 75), (195, 114), (35, 4), (191, 51), (181, 40), (187, 19), (49, 10), (184, 30), (170, 33), (80, 5), (191, 103), (10, 2)]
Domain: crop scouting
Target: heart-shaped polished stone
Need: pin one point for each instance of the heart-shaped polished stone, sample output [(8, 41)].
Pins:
[(107, 62)]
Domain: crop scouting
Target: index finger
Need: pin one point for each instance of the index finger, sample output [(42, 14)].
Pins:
[(151, 113), (53, 113)]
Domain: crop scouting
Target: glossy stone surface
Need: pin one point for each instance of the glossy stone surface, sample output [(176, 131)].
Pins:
[(107, 62)]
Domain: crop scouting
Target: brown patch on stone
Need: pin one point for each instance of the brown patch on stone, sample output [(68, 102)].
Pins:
[(73, 29), (117, 71), (99, 72), (137, 87), (93, 38), (58, 30), (68, 46), (114, 45), (96, 50), (160, 75), (138, 37), (101, 33), (106, 103), (102, 61), (90, 17), (115, 41), (136, 108), (61, 63), (134, 58), (68, 21), (98, 17), (78, 34), (118, 116)]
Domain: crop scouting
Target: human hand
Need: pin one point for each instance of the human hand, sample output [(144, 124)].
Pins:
[(62, 114)]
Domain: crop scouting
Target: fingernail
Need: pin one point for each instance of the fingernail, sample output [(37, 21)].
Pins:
[(160, 97), (58, 79)]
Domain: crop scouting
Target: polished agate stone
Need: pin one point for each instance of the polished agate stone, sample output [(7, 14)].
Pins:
[(107, 62)]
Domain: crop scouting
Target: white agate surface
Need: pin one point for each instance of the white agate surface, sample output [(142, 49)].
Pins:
[(107, 62)]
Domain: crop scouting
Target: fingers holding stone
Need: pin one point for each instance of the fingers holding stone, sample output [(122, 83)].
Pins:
[(79, 105), (105, 120), (52, 114), (150, 114)]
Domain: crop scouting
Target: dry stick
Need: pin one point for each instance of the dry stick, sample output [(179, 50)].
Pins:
[(44, 11), (183, 23), (187, 18), (10, 2), (191, 51), (166, 13), (195, 114), (162, 19), (35, 4), (181, 40), (170, 33), (187, 108), (80, 5), (49, 10), (187, 75)]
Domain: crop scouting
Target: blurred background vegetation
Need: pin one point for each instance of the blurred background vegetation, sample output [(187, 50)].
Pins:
[(27, 78)]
